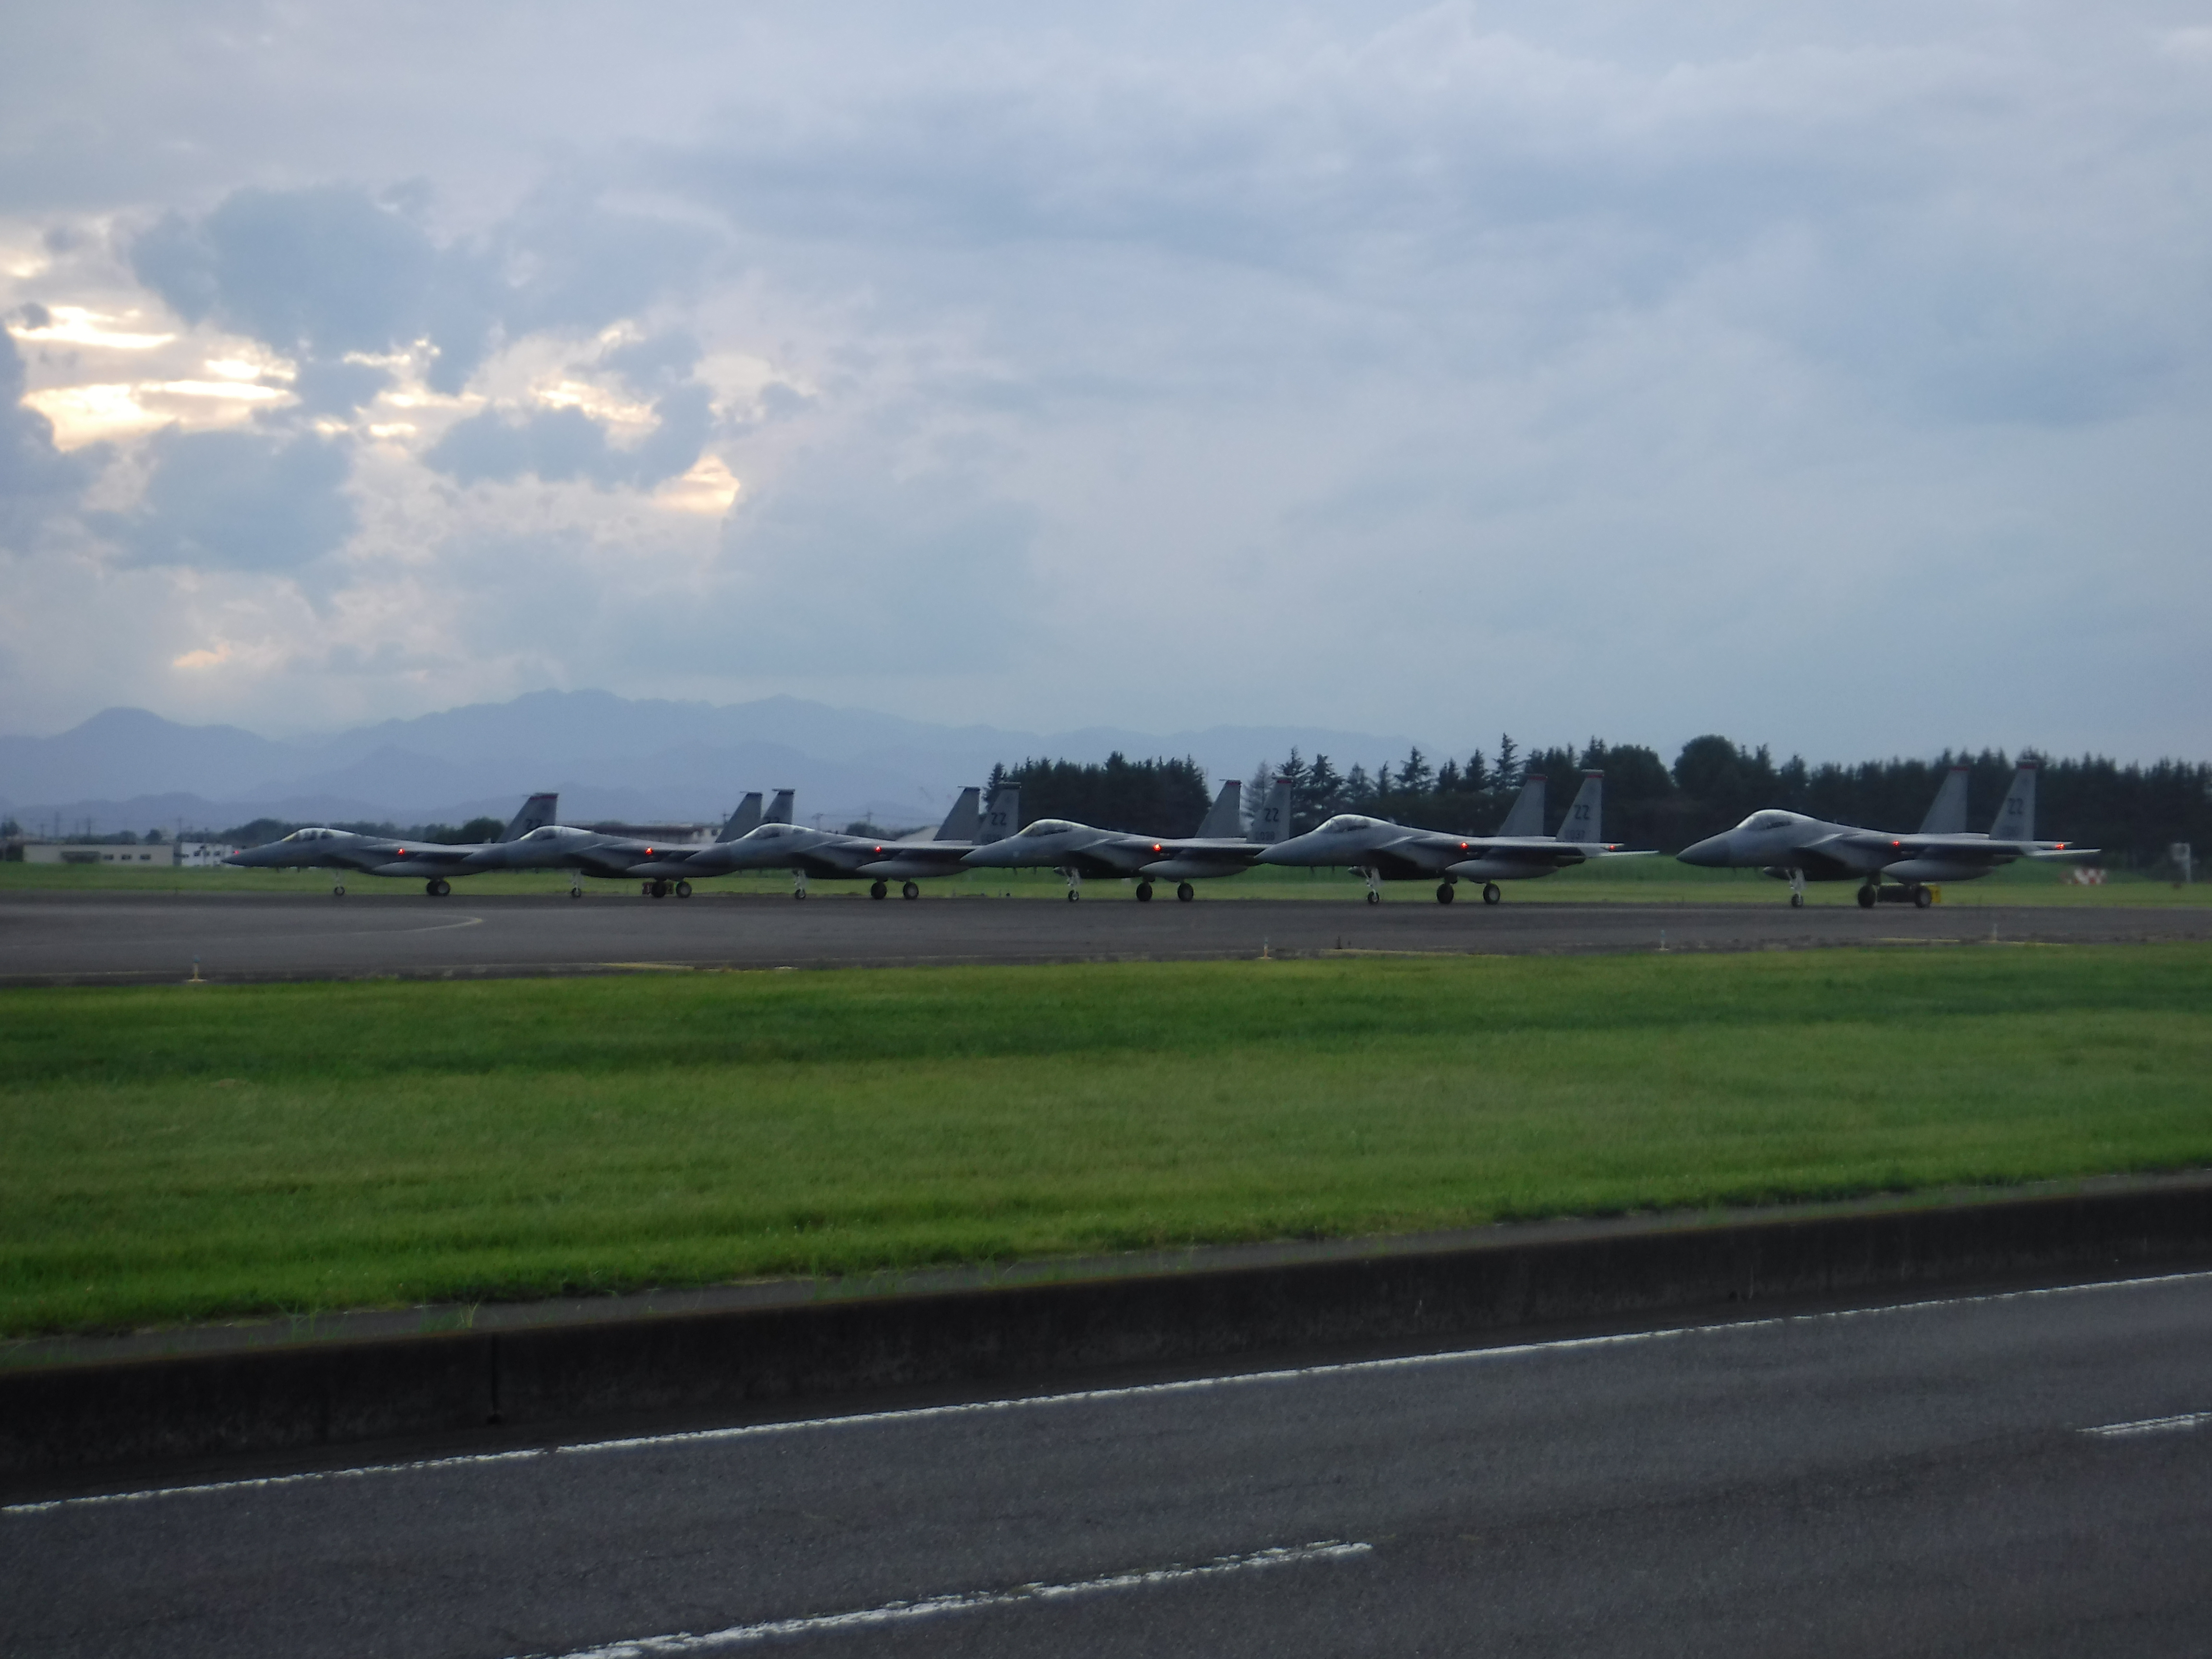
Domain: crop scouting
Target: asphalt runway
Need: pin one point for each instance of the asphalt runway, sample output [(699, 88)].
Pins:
[(2021, 1474), (123, 939)]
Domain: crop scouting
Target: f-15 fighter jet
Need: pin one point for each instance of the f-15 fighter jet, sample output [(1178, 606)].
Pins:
[(1219, 848), (1791, 847), (828, 855), (342, 852), (1381, 851), (661, 868)]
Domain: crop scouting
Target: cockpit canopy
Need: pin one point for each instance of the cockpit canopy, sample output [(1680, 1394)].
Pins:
[(1051, 827), (313, 834), (1769, 820), (1343, 823)]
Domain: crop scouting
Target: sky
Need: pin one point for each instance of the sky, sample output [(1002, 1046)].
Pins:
[(1836, 376)]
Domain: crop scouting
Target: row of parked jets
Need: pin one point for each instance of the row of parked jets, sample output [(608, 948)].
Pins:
[(976, 835)]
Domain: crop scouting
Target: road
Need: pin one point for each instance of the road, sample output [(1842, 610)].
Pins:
[(120, 938), (2025, 1473)]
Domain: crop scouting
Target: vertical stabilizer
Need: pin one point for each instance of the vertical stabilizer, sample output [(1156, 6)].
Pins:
[(744, 820), (2016, 817), (779, 809), (537, 812), (1004, 815), (1272, 823), (1527, 818), (1585, 815), (1947, 813), (1224, 821), (965, 819)]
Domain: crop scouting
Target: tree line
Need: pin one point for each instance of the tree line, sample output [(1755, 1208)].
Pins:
[(2135, 812)]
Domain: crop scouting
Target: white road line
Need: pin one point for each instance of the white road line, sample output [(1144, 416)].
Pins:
[(935, 1606), (2177, 1425), (1090, 1396)]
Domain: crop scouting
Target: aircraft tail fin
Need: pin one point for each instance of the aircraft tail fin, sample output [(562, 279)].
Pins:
[(1947, 813), (779, 809), (1527, 818), (2016, 817), (744, 820), (1004, 815), (537, 812), (1225, 820), (1272, 823), (1584, 821), (965, 819)]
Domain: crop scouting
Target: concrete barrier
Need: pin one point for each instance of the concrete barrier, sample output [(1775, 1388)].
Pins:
[(62, 1419)]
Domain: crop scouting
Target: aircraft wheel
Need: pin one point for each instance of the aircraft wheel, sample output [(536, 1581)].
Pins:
[(659, 890), (645, 889), (1072, 895), (440, 887), (1922, 898), (798, 892), (909, 891), (1185, 891), (1490, 893), (1143, 892), (1374, 897), (576, 892), (1444, 892), (683, 889), (1796, 901), (338, 891), (1866, 898), (878, 890)]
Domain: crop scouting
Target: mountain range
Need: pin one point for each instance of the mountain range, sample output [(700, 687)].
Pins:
[(611, 758)]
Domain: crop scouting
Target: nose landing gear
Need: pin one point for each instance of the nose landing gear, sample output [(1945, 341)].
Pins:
[(1374, 886)]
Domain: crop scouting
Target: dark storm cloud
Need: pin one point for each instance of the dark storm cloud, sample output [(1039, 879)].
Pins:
[(561, 444), (239, 500)]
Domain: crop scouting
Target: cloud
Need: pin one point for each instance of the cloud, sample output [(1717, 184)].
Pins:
[(37, 480), (237, 500), (565, 444)]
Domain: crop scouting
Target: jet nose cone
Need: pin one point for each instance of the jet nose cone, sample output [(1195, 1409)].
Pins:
[(1711, 852)]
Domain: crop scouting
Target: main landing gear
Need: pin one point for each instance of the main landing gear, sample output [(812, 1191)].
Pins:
[(1143, 892), (1490, 893), (879, 889), (653, 889), (1910, 893), (1185, 891), (437, 887), (909, 890), (1444, 892)]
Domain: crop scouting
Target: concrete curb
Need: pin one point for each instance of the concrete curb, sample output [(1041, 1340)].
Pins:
[(76, 1417)]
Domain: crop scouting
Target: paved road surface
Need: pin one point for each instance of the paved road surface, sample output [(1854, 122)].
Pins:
[(1915, 1480), (120, 938)]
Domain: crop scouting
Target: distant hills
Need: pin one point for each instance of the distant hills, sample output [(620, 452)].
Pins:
[(609, 757)]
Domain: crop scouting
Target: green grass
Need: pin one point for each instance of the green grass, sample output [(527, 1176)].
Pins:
[(1617, 881), (180, 1153)]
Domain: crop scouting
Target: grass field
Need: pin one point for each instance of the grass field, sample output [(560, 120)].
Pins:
[(182, 1153), (1620, 881)]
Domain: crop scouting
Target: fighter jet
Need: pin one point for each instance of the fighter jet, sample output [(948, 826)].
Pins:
[(659, 868), (342, 852), (1379, 851), (828, 855), (1791, 846), (1076, 850)]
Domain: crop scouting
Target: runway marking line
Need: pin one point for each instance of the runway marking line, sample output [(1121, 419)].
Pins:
[(937, 1606), (1092, 1396), (2178, 1424)]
